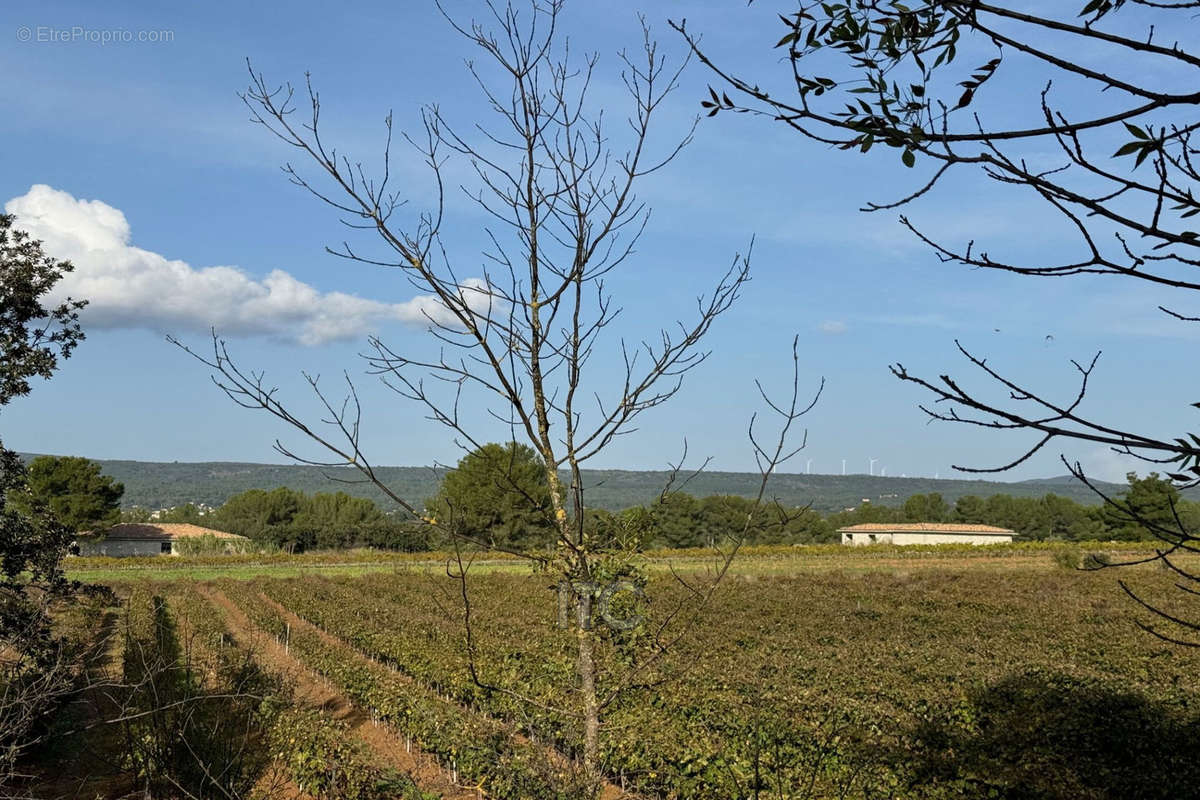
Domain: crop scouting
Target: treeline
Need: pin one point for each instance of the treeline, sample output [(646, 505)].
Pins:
[(293, 521), (685, 521)]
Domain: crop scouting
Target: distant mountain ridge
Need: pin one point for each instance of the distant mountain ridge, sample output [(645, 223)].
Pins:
[(153, 485)]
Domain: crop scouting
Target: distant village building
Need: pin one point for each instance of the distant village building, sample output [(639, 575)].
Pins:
[(148, 539), (924, 533)]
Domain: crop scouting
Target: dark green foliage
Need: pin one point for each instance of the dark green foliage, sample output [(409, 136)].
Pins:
[(76, 492), (969, 509), (677, 522), (335, 520), (681, 520), (724, 515), (926, 508), (293, 521), (498, 494), (1146, 510), (33, 541), (32, 337), (265, 516), (1066, 519)]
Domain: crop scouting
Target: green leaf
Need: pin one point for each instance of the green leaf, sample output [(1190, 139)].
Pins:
[(908, 158), (1136, 131)]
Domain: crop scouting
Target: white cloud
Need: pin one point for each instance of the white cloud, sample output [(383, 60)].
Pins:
[(832, 326), (128, 287)]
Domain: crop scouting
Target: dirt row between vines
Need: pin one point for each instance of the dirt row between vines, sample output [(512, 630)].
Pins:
[(314, 691), (89, 769), (609, 791)]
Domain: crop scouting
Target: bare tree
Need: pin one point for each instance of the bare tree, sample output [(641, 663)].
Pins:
[(519, 339), (875, 73)]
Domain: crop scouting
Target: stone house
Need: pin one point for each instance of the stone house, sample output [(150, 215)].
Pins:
[(149, 539)]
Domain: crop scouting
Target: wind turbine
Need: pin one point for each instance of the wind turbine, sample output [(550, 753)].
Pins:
[(843, 466), (808, 467), (871, 468)]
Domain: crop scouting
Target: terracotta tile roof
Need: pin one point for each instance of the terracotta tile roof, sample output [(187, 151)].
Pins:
[(164, 531), (924, 527)]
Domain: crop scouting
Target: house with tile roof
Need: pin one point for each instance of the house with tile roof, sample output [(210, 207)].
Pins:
[(923, 533), (150, 539)]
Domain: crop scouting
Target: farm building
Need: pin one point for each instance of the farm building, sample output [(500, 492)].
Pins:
[(923, 533), (148, 539)]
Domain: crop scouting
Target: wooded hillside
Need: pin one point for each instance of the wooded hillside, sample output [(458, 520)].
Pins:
[(152, 485)]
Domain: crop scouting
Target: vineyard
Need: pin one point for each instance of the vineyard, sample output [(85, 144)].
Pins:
[(926, 683)]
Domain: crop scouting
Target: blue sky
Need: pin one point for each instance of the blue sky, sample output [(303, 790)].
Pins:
[(177, 179)]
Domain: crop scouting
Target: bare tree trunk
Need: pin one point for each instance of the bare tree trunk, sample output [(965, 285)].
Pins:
[(587, 689)]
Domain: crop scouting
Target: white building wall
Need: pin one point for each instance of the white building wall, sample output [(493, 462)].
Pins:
[(121, 547), (930, 537), (860, 538)]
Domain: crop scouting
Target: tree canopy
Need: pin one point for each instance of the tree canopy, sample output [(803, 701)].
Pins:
[(498, 493), (295, 521), (926, 508), (76, 491), (32, 336), (1150, 504)]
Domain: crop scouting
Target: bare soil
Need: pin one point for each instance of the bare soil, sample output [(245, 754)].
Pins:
[(314, 692), (608, 791)]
